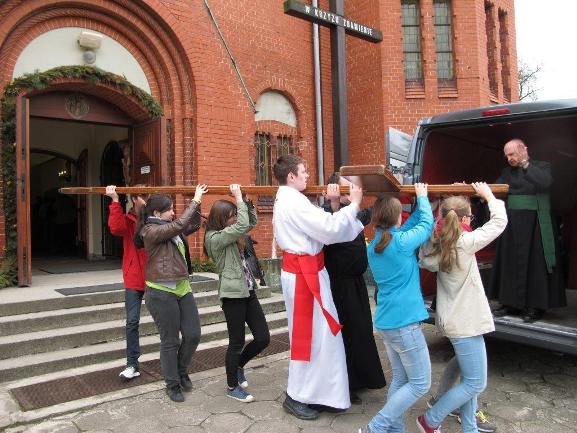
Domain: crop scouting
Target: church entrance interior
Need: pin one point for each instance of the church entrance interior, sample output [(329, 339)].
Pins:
[(69, 233)]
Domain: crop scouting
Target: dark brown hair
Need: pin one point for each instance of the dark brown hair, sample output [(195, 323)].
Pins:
[(453, 209), (156, 202), (133, 197), (386, 211), (284, 165), (219, 214)]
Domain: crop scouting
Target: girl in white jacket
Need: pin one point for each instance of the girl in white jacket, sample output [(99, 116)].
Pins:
[(463, 313)]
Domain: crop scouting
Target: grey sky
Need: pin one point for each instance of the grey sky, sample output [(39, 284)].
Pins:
[(546, 34)]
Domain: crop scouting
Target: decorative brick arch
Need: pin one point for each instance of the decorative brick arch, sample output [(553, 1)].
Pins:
[(145, 28), (126, 103)]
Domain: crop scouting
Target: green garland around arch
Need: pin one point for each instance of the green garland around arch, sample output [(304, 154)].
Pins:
[(38, 81)]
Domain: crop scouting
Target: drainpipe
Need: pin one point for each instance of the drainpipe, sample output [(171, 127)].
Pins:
[(318, 102)]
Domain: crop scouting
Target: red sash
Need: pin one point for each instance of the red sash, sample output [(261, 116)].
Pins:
[(307, 289)]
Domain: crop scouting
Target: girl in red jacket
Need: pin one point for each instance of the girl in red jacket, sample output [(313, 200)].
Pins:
[(133, 264)]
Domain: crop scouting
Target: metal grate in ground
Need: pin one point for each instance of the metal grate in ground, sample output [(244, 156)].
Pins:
[(86, 385)]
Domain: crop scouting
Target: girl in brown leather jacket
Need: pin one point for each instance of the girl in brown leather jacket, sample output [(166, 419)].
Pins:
[(168, 293)]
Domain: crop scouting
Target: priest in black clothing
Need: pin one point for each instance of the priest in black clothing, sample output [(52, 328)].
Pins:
[(346, 263), (526, 277)]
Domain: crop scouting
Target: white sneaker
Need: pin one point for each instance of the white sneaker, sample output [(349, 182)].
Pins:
[(129, 373)]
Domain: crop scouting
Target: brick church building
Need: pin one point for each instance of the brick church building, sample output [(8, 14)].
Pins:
[(212, 91)]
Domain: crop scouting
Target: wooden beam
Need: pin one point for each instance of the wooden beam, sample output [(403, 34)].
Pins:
[(498, 189)]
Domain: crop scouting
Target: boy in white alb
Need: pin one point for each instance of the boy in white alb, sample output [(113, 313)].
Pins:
[(317, 367)]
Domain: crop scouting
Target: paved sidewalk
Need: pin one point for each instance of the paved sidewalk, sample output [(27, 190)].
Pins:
[(530, 391)]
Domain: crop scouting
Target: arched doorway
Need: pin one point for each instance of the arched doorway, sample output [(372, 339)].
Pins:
[(148, 34), (80, 120)]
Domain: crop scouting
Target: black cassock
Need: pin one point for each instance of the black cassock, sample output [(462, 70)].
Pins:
[(520, 278), (346, 262)]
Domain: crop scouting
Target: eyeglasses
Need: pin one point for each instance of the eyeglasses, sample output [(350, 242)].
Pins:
[(471, 217)]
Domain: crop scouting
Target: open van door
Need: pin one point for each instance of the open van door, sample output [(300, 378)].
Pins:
[(468, 146), (398, 154)]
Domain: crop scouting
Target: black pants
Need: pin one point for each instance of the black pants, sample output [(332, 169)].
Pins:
[(239, 311), (173, 315)]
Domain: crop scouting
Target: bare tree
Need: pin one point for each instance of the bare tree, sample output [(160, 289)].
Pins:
[(528, 81)]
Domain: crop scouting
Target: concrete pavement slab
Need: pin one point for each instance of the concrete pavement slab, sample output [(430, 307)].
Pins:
[(47, 427), (181, 418), (140, 425), (275, 426), (227, 423), (517, 403), (264, 410), (186, 430)]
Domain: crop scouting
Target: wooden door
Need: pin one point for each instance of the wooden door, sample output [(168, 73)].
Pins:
[(23, 191), (148, 148), (81, 212)]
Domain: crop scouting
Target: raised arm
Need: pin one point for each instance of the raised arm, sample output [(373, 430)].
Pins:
[(194, 224), (488, 232), (116, 219), (165, 232), (221, 238), (539, 174), (327, 228), (422, 225)]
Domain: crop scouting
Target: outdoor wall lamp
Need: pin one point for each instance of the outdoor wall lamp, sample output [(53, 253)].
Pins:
[(89, 42)]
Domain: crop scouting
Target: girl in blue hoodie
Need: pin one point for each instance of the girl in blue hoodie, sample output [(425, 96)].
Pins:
[(400, 306)]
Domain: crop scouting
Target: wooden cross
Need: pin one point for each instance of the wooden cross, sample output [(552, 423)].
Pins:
[(339, 25), (375, 180)]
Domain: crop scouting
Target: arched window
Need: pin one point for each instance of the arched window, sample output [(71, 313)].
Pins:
[(274, 136)]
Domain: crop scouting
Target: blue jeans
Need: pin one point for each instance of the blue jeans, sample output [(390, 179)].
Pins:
[(409, 358), (132, 303), (450, 376), (472, 358)]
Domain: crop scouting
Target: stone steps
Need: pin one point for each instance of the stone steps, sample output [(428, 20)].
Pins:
[(102, 332), (85, 300), (52, 335), (26, 366), (84, 315)]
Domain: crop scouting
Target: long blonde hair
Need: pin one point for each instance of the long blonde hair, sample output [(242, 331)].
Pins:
[(453, 209)]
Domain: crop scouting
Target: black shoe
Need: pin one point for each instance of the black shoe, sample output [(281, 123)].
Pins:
[(506, 311), (322, 408), (185, 383), (175, 394), (355, 399), (298, 409), (532, 314), (500, 312)]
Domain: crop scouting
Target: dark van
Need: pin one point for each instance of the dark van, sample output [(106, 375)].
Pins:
[(468, 146)]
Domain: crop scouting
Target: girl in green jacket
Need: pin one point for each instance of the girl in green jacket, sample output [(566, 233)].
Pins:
[(224, 242)]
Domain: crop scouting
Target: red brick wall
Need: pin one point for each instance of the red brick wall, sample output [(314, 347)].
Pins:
[(190, 73), (401, 110)]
